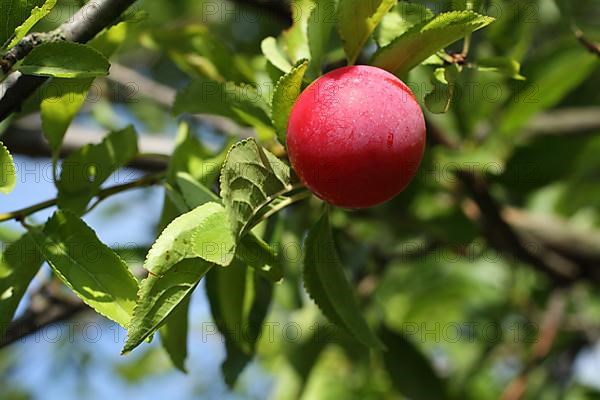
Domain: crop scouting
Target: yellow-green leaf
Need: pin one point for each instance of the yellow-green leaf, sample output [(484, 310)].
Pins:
[(426, 38)]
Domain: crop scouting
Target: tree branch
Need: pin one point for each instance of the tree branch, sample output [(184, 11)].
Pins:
[(45, 308), (549, 328), (82, 27), (144, 181), (592, 47)]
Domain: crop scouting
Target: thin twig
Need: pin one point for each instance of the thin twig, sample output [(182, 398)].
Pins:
[(144, 181), (549, 328)]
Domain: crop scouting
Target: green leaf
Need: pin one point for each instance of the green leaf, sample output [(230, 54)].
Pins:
[(199, 51), (62, 99), (242, 103), (239, 300), (328, 286), (36, 15), (8, 175), (357, 21), (296, 37), (65, 60), (194, 193), (286, 92), (251, 178), (90, 268), (173, 333), (410, 371), (203, 232), (192, 157), (191, 166), (403, 16), (472, 5), (274, 54), (318, 30), (160, 295), (502, 65), (84, 171), (556, 75), (19, 263), (426, 38), (14, 13), (444, 81), (259, 255), (251, 249)]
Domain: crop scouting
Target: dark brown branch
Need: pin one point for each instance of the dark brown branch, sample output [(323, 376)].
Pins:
[(45, 308), (503, 237), (591, 46), (82, 27)]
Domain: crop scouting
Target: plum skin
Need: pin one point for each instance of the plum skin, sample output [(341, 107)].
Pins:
[(356, 136)]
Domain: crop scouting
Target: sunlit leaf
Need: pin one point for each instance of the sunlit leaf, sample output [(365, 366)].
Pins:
[(36, 15), (426, 38), (286, 92), (64, 60), (275, 55), (90, 268), (203, 232), (8, 175), (160, 295), (400, 19), (357, 21)]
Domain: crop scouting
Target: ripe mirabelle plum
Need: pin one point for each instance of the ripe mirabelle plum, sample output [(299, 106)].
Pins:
[(356, 136)]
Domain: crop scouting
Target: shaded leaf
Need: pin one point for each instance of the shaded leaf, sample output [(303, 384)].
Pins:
[(20, 262), (410, 371), (357, 21), (194, 193), (426, 38), (241, 103), (65, 60), (318, 30), (502, 65), (556, 74), (160, 295), (444, 81), (329, 287), (174, 332), (90, 268), (84, 171), (259, 255), (285, 94), (239, 300), (8, 175), (251, 178)]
